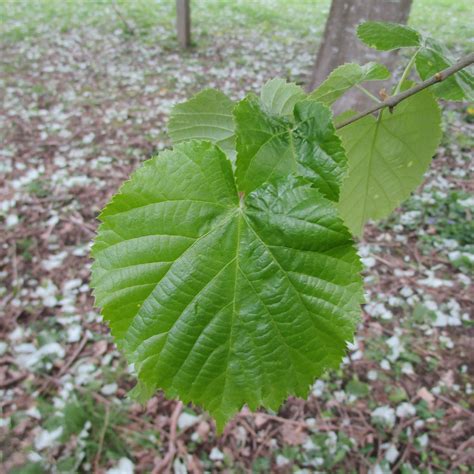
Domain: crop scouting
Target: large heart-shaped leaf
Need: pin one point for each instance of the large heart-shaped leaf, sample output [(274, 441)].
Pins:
[(387, 158), (270, 146), (221, 300)]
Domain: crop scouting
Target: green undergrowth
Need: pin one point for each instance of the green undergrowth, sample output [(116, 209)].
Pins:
[(447, 19)]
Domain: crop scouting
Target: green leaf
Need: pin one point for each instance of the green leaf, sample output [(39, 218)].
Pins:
[(206, 116), (345, 77), (358, 388), (387, 158), (433, 58), (397, 394), (385, 36), (279, 97), (269, 146), (219, 300)]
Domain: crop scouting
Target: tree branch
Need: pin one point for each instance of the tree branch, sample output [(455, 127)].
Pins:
[(396, 99), (124, 21)]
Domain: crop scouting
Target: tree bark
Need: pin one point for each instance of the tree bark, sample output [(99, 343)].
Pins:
[(341, 45), (183, 23)]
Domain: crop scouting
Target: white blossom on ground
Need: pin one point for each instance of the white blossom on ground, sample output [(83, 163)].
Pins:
[(384, 415), (124, 466), (405, 410), (45, 438), (216, 454)]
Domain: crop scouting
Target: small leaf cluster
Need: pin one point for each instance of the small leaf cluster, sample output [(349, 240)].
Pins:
[(431, 56), (226, 266)]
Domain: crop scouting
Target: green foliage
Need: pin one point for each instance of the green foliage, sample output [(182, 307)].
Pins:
[(279, 97), (84, 417), (29, 468), (24, 246), (227, 278), (385, 36), (357, 388), (396, 394), (431, 56), (345, 77), (387, 158), (444, 217), (449, 20), (261, 465), (207, 116), (434, 57), (306, 144), (225, 267), (39, 188)]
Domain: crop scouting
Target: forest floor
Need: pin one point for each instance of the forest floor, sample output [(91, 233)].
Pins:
[(84, 97)]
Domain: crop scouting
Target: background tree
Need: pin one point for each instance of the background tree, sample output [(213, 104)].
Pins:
[(340, 45), (183, 23)]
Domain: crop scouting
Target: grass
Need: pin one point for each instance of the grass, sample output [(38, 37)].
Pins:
[(448, 20), (90, 430)]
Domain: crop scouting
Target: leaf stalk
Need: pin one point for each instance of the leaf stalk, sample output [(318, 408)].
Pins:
[(367, 93), (406, 72)]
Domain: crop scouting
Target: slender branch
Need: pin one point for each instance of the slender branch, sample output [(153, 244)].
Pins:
[(396, 99), (101, 439), (164, 465), (124, 21)]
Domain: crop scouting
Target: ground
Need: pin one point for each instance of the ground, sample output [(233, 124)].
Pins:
[(85, 92)]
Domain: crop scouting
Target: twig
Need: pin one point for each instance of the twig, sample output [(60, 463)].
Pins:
[(465, 454), (14, 267), (7, 360), (243, 421), (280, 419), (125, 22), (396, 435), (396, 99), (269, 435), (73, 357), (165, 464), (465, 444), (404, 455), (385, 262), (8, 383), (79, 221), (443, 449), (101, 439), (454, 404), (68, 364)]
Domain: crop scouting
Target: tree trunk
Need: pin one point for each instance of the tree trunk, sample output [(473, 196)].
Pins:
[(341, 45), (183, 23)]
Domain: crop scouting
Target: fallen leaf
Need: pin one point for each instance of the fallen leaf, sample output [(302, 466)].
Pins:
[(427, 396), (294, 436)]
